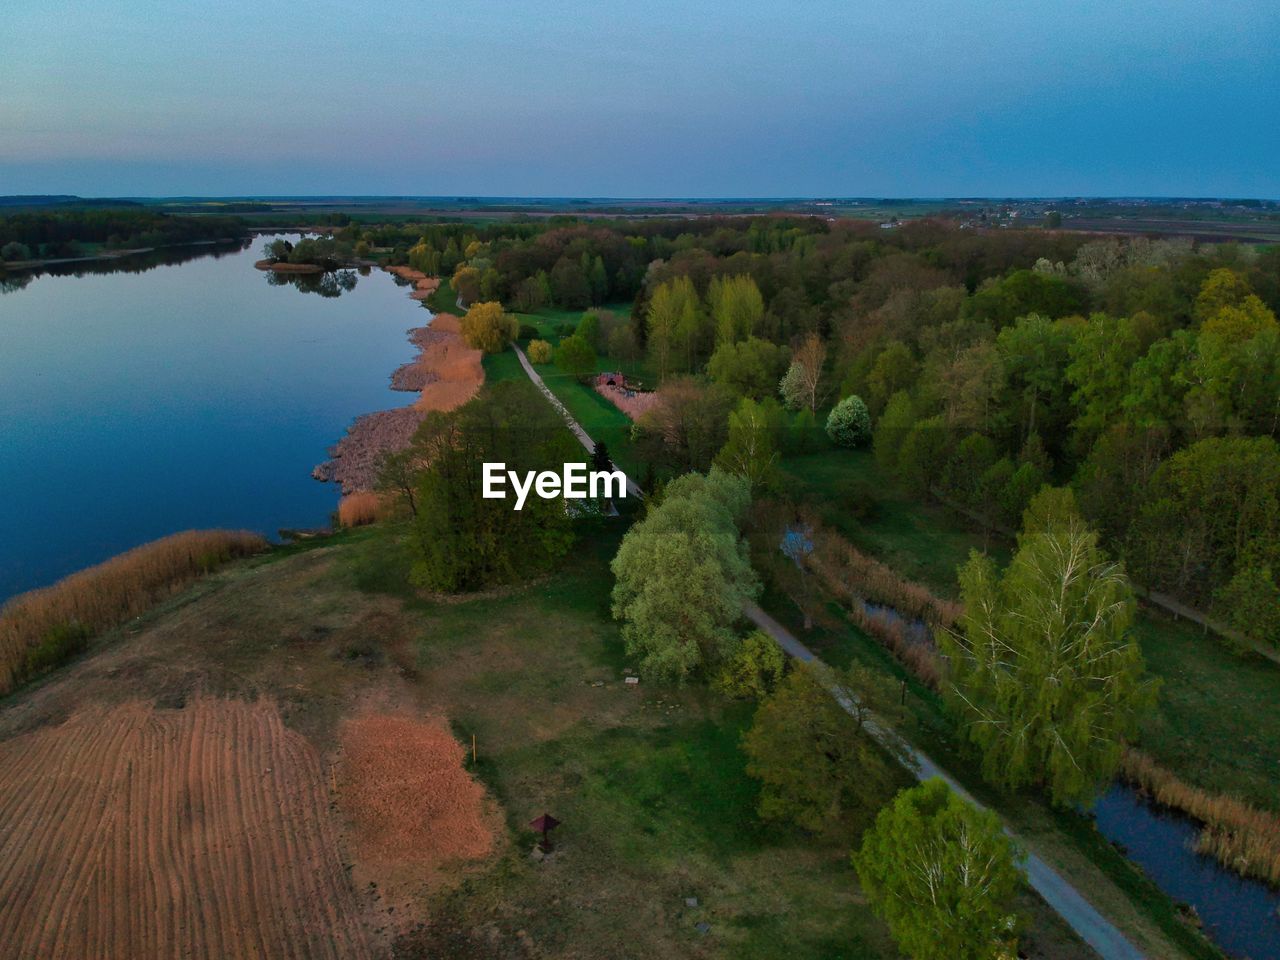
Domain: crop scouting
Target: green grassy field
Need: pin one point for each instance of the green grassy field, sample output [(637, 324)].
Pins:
[(648, 781)]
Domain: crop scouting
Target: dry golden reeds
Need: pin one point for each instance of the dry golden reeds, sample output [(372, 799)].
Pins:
[(1239, 836), (40, 628), (363, 507)]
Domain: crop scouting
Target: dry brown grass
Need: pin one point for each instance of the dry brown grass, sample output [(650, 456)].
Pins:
[(363, 507), (1241, 837), (40, 628), (858, 579)]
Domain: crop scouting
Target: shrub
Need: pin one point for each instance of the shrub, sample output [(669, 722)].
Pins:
[(849, 423), (754, 669), (539, 351), (527, 332), (41, 628)]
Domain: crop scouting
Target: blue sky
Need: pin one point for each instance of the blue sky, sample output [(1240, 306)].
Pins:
[(744, 98)]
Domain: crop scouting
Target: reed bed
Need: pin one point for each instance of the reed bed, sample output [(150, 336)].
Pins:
[(1239, 836), (884, 605), (44, 627), (364, 507)]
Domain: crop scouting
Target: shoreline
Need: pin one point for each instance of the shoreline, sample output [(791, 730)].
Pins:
[(445, 374), (113, 254)]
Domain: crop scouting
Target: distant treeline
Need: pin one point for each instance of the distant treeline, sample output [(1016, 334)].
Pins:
[(68, 233)]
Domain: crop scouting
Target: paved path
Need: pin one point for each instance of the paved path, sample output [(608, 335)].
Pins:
[(633, 489), (1093, 928)]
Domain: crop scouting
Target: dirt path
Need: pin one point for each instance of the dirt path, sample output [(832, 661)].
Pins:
[(1090, 925)]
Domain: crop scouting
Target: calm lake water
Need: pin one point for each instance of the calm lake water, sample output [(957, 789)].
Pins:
[(194, 394)]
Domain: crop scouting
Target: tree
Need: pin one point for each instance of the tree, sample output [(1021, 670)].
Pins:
[(849, 423), (942, 875), (589, 328), (1208, 509), (1033, 353), (683, 576), (671, 316), (1043, 673), (486, 326), (749, 368), (570, 287), (895, 369), (1102, 353), (461, 540), (751, 450), (686, 426), (736, 307), (1251, 604), (802, 386), (1000, 302), (892, 429), (466, 282), (754, 670), (539, 351), (817, 763), (575, 357)]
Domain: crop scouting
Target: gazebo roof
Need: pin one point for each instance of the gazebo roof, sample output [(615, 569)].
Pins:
[(544, 823)]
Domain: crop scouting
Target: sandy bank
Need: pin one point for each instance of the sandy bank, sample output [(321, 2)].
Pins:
[(445, 374)]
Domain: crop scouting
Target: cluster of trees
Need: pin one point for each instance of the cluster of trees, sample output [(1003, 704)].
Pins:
[(321, 251), (461, 541), (65, 233)]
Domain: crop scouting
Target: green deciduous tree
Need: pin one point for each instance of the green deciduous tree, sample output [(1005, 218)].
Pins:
[(1044, 676), (736, 307), (749, 368), (818, 764), (849, 423), (942, 875), (754, 670), (673, 324), (682, 577), (752, 448), (575, 357), (461, 540)]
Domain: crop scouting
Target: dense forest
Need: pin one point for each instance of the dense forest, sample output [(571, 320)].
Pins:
[(74, 233), (1143, 373)]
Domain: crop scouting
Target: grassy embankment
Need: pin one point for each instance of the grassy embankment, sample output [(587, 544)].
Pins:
[(44, 628)]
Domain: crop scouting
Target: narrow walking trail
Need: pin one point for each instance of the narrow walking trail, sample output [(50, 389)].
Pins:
[(633, 488), (1091, 926)]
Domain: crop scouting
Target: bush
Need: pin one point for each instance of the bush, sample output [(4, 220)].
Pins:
[(528, 332), (539, 351), (754, 669), (849, 423)]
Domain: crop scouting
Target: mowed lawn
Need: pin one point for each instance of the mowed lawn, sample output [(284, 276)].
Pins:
[(647, 780), (1216, 724)]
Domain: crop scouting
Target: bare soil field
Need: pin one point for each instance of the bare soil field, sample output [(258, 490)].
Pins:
[(132, 831)]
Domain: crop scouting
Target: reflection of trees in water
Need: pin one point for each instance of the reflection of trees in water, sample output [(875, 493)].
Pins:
[(332, 284), (14, 280)]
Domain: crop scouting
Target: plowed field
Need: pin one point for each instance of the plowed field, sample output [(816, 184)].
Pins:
[(136, 832)]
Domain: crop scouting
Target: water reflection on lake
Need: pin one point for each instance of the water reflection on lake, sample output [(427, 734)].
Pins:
[(177, 389)]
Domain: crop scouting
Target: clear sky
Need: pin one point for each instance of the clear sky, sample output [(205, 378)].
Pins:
[(637, 99)]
